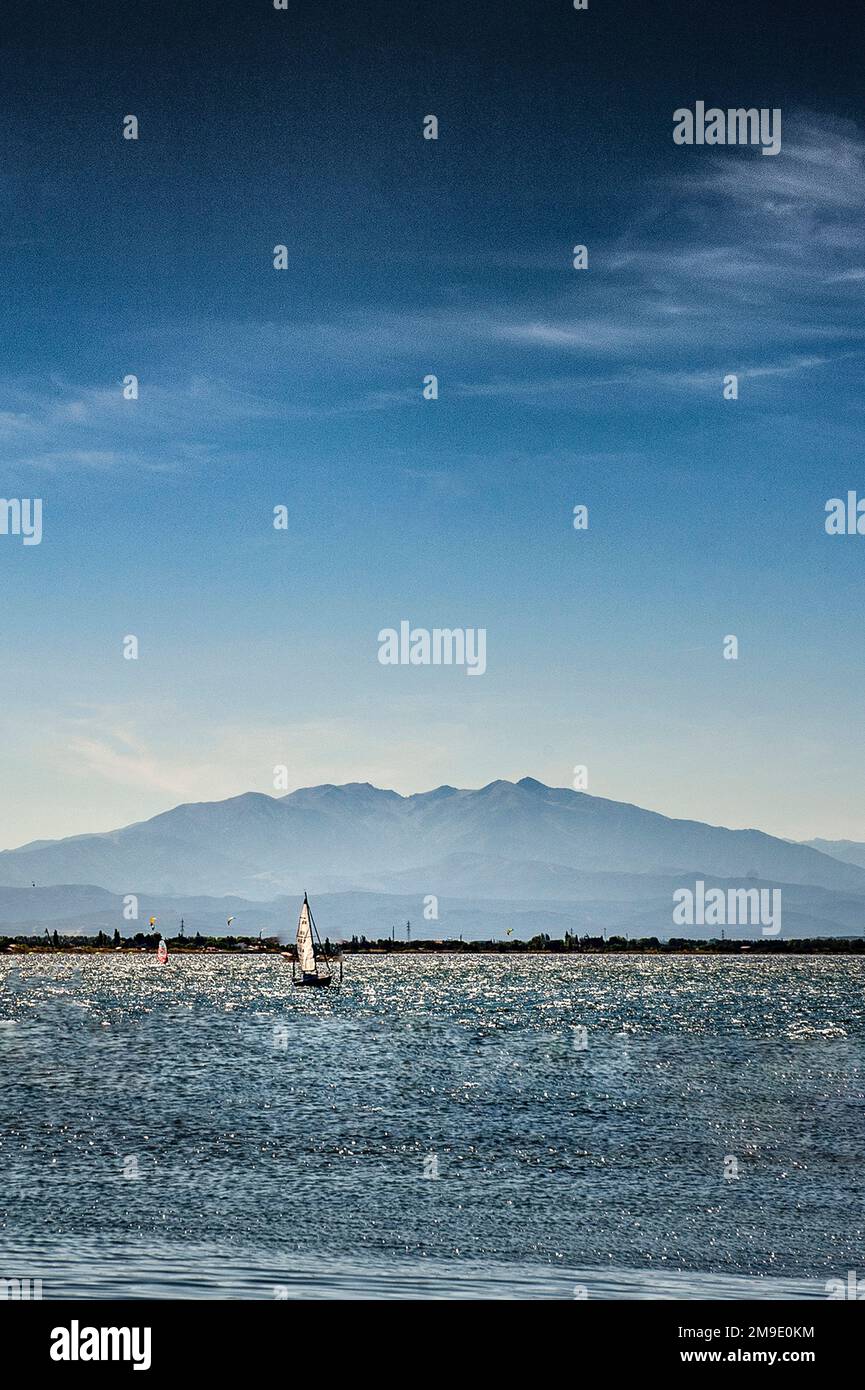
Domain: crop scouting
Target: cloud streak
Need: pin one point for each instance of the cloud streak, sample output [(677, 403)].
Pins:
[(750, 261)]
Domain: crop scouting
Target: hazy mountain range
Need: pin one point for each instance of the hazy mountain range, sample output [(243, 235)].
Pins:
[(518, 854), (851, 851)]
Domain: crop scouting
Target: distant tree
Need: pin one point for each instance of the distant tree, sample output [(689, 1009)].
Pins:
[(539, 942), (116, 936), (56, 938)]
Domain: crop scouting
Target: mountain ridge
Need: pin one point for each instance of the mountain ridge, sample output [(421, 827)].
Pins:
[(618, 905), (344, 836), (848, 851)]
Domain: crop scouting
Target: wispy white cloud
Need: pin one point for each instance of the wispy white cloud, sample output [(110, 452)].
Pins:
[(125, 762), (750, 261)]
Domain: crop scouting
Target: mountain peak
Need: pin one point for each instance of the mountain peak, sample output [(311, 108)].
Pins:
[(341, 792), (357, 834), (501, 787)]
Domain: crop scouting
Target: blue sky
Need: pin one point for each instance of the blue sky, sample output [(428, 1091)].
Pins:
[(303, 388)]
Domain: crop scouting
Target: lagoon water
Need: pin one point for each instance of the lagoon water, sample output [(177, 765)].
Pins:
[(436, 1129)]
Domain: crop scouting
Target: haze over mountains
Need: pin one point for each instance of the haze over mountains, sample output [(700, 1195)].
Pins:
[(507, 851), (850, 851)]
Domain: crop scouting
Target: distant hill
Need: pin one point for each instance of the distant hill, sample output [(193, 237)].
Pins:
[(335, 838), (848, 851), (519, 852), (623, 905)]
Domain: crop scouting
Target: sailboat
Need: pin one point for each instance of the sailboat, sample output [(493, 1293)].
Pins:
[(311, 959), (162, 951)]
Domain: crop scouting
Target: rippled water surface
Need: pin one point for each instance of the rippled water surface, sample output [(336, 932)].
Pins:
[(436, 1128)]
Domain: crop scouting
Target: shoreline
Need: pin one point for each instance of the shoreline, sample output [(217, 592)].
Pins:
[(616, 946)]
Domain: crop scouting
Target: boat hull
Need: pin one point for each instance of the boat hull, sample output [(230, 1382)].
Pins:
[(314, 984)]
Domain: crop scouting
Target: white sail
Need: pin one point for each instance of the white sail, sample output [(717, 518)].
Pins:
[(305, 949)]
